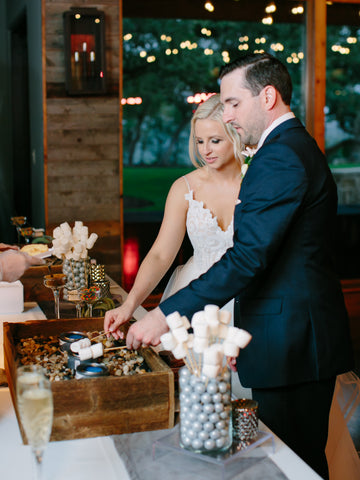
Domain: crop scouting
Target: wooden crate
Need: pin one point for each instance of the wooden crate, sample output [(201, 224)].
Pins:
[(99, 406)]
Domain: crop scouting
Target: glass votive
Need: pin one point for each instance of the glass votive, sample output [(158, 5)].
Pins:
[(205, 411), (97, 272), (244, 420)]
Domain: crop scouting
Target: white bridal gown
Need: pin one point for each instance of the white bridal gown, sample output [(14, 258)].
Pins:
[(209, 242)]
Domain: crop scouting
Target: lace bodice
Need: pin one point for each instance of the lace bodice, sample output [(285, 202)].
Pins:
[(209, 241)]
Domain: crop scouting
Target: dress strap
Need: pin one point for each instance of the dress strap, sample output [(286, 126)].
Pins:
[(187, 183)]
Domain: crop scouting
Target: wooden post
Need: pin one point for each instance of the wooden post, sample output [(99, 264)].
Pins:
[(121, 139), (316, 70)]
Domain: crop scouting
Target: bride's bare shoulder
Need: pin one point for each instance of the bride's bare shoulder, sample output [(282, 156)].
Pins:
[(196, 176)]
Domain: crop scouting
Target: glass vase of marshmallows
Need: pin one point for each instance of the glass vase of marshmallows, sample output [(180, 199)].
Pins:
[(205, 380)]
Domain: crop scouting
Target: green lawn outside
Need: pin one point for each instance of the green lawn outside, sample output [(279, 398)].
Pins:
[(150, 184), (344, 165)]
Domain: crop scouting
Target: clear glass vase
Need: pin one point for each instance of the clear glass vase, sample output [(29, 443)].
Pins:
[(77, 273), (205, 411)]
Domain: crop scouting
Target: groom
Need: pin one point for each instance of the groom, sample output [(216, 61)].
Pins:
[(280, 268)]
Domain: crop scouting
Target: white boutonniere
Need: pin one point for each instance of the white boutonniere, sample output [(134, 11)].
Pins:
[(248, 154)]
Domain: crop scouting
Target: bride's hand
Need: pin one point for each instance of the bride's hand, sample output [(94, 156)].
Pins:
[(115, 318)]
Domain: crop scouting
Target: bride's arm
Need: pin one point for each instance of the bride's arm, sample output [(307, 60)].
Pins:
[(159, 258)]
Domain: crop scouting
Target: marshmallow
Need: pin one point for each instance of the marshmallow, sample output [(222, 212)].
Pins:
[(91, 241), (232, 332), (198, 317), (97, 350), (179, 351), (168, 341), (174, 320), (65, 228), (190, 342), (200, 343), (78, 248), (214, 326), (242, 338), (78, 224), (211, 311), (212, 355), (185, 322), (85, 353), (222, 331), (181, 334), (201, 330), (211, 371), (57, 232), (225, 317), (83, 343), (230, 349)]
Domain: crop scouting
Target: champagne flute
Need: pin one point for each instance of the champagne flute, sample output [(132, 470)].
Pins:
[(56, 282), (35, 406)]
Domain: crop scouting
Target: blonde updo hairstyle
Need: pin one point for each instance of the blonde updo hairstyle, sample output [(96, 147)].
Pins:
[(212, 109)]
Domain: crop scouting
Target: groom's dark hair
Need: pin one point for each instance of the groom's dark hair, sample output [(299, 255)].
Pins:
[(262, 69)]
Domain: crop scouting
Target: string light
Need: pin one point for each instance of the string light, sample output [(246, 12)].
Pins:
[(340, 49), (277, 47), (206, 32), (225, 56), (297, 10), (351, 40), (209, 7), (270, 8), (131, 101), (199, 97)]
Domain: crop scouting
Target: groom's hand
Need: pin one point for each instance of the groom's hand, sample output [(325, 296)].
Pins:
[(148, 330)]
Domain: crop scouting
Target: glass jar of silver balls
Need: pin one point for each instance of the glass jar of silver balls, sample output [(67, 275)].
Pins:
[(77, 273), (205, 411)]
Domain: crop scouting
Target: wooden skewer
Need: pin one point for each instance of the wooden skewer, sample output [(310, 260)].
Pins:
[(100, 335), (114, 348)]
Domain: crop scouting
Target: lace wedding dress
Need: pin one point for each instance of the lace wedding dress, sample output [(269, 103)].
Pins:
[(209, 242)]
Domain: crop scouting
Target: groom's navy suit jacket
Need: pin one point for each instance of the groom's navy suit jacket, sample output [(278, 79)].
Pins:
[(280, 268)]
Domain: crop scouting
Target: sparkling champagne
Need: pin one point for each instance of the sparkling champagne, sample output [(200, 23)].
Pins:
[(36, 411)]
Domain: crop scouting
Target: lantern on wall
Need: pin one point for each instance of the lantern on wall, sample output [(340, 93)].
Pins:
[(84, 31)]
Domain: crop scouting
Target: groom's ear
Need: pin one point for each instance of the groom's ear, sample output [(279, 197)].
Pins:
[(269, 95)]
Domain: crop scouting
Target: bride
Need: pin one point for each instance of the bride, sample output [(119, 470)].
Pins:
[(201, 203)]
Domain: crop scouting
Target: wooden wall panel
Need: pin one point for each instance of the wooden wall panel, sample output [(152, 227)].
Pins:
[(82, 144), (82, 131)]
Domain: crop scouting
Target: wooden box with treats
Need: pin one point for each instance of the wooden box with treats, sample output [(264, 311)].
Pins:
[(90, 407)]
